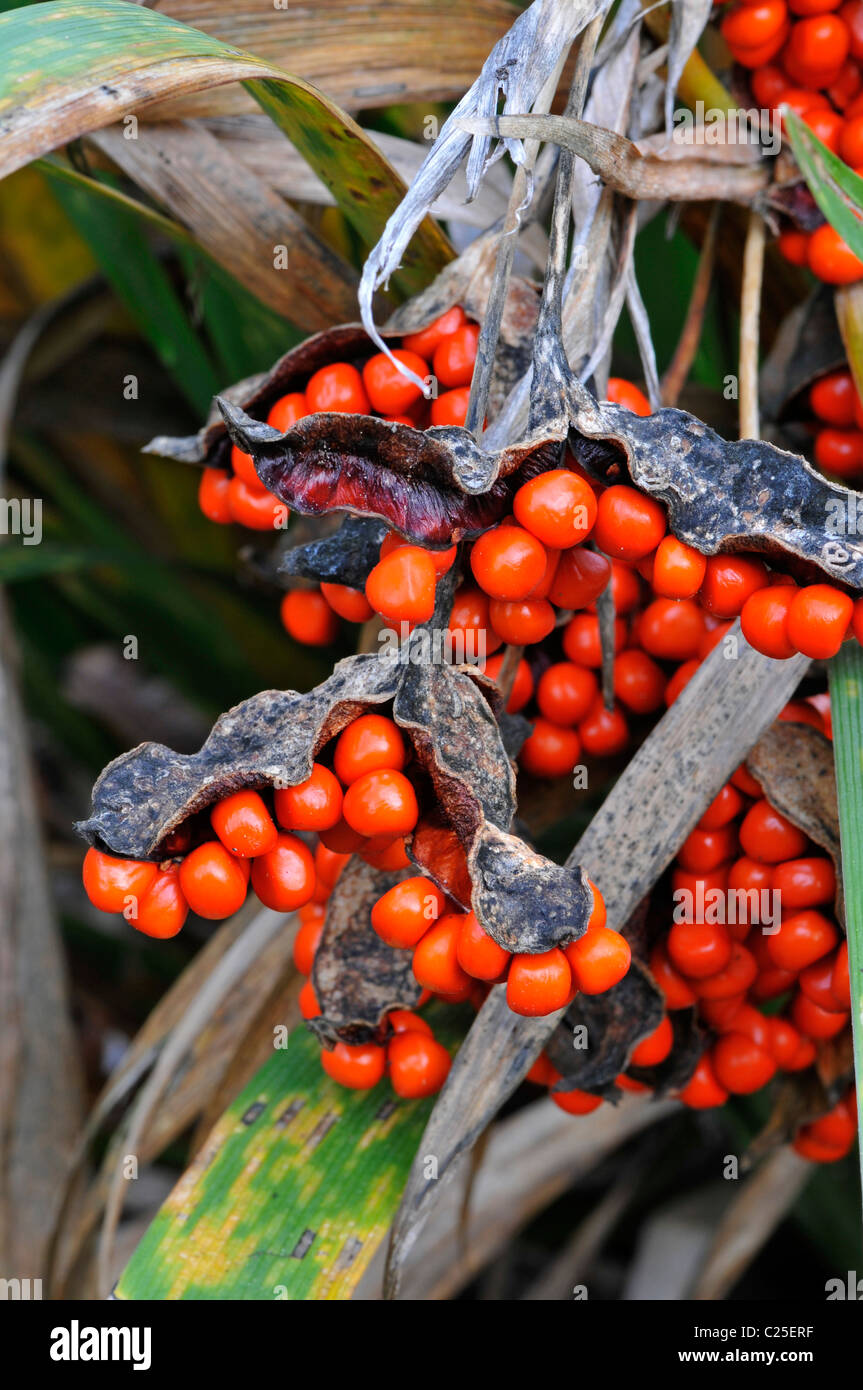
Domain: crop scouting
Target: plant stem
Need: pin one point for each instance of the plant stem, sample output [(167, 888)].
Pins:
[(687, 346), (697, 82), (849, 315), (750, 316), (846, 705), (490, 331)]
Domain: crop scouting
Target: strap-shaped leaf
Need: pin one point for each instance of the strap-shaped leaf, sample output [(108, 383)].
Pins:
[(292, 1192), (71, 68)]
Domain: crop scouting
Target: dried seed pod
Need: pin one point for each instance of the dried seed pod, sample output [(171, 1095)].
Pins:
[(677, 1069), (526, 902), (269, 740), (345, 557), (807, 345), (463, 282), (595, 1040), (613, 1023), (723, 495), (434, 486), (357, 977)]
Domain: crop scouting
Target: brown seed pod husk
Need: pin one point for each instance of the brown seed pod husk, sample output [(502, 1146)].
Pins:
[(524, 901), (807, 345), (465, 282), (615, 1022), (434, 486), (269, 740), (739, 495), (344, 557), (357, 978)]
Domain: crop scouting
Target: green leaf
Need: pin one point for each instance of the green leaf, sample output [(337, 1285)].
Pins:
[(21, 562), (846, 706), (72, 66), (837, 190), (292, 1192), (56, 169)]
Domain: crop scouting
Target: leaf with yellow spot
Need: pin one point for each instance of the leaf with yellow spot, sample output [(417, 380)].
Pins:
[(293, 1191), (70, 68)]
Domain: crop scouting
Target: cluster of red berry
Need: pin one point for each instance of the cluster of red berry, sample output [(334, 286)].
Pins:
[(741, 850), (672, 605), (445, 350), (774, 939), (806, 55), (838, 410), (365, 805), (451, 951), (213, 877), (456, 961), (418, 1064)]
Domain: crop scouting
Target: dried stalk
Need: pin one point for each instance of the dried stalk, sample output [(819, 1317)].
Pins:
[(749, 1221), (623, 167), (680, 366), (750, 317)]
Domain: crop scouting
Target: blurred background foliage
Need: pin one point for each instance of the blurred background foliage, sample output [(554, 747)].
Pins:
[(102, 283)]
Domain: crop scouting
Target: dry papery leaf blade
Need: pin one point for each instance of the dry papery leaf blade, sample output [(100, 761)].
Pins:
[(655, 803), (749, 1220), (518, 66), (398, 58), (526, 902), (41, 1093), (688, 20)]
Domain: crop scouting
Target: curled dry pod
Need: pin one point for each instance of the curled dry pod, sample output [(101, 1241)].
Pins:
[(269, 740), (615, 1023), (464, 774), (357, 977), (344, 557), (807, 345), (432, 485), (737, 495)]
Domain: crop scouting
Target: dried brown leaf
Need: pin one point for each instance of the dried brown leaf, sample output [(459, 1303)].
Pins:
[(398, 58), (40, 1081), (519, 66), (237, 219)]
